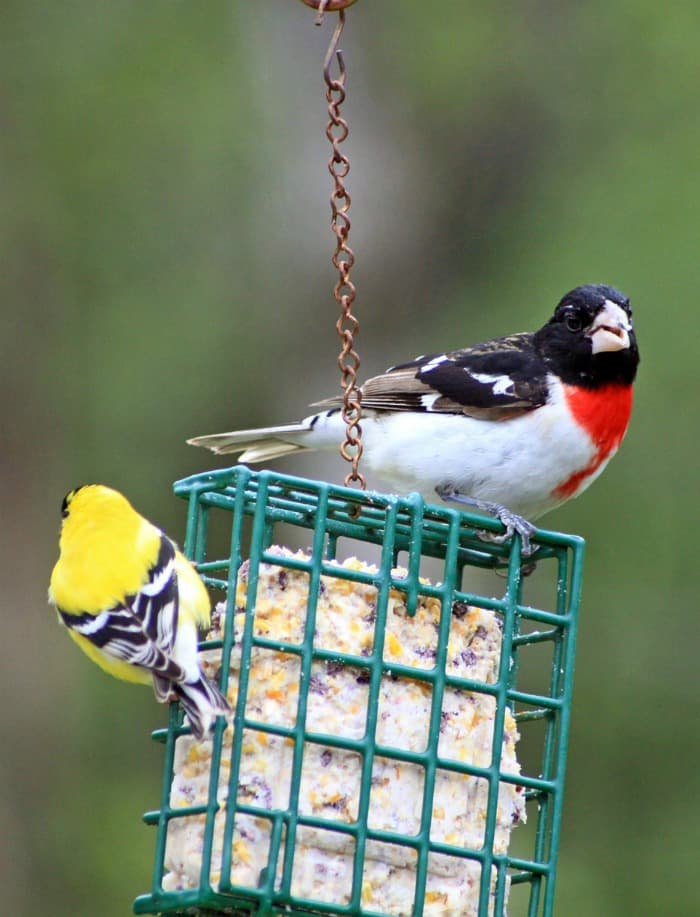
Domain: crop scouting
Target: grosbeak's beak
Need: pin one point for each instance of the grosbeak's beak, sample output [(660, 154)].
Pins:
[(610, 330)]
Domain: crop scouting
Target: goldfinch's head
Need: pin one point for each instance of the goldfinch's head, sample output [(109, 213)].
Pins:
[(102, 535), (94, 501)]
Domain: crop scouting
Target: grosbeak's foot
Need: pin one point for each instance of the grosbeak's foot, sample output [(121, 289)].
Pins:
[(512, 522)]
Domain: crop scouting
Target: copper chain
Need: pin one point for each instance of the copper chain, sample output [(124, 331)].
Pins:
[(347, 325), (327, 6)]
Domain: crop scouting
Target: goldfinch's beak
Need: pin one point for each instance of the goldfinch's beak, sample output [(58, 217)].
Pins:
[(610, 329)]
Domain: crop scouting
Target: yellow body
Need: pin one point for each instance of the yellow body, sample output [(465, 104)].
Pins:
[(107, 551)]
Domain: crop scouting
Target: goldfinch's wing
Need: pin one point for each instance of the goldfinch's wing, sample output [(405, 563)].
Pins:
[(497, 380), (141, 629)]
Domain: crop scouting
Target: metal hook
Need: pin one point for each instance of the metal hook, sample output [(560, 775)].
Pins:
[(333, 49), (327, 6), (321, 10)]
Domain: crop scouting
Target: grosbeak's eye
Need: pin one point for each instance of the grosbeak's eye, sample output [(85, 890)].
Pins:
[(573, 322)]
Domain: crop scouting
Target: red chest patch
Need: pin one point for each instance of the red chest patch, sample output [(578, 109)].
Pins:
[(604, 414)]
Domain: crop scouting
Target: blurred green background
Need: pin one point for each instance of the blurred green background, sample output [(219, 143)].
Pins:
[(165, 272)]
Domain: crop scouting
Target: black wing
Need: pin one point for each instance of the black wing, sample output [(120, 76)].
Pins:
[(496, 380), (141, 630)]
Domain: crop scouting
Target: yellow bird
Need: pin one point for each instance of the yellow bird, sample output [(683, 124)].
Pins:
[(132, 602)]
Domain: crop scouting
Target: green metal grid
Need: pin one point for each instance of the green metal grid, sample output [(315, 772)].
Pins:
[(409, 528)]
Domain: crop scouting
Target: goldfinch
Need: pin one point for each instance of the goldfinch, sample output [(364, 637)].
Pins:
[(132, 602), (513, 427)]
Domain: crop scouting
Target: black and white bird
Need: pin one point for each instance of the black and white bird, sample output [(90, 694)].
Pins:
[(514, 426)]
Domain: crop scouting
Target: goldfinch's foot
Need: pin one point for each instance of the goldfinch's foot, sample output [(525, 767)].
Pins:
[(512, 522)]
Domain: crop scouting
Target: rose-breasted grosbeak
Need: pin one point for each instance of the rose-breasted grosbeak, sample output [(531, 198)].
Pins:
[(514, 426)]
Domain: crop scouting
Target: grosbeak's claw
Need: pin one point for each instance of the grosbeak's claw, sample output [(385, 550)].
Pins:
[(514, 525), (512, 522)]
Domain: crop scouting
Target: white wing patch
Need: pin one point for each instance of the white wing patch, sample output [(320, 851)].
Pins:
[(500, 385), (160, 580), (434, 363), (92, 625)]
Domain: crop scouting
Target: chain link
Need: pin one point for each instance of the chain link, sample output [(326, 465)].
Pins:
[(347, 325), (330, 6)]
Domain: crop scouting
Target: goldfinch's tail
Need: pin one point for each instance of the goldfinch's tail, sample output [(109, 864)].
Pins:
[(320, 431), (202, 702)]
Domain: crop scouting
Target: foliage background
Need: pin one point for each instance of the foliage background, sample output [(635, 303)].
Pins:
[(165, 272)]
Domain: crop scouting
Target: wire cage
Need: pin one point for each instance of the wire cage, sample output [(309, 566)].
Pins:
[(351, 781)]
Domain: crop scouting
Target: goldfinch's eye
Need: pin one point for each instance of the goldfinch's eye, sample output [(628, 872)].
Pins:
[(573, 322)]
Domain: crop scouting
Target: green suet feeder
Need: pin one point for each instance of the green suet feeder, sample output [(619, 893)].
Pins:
[(391, 732)]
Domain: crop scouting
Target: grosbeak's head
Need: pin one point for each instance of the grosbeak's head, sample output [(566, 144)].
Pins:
[(590, 339)]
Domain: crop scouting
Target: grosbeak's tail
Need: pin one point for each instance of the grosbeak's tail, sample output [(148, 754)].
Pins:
[(257, 445)]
